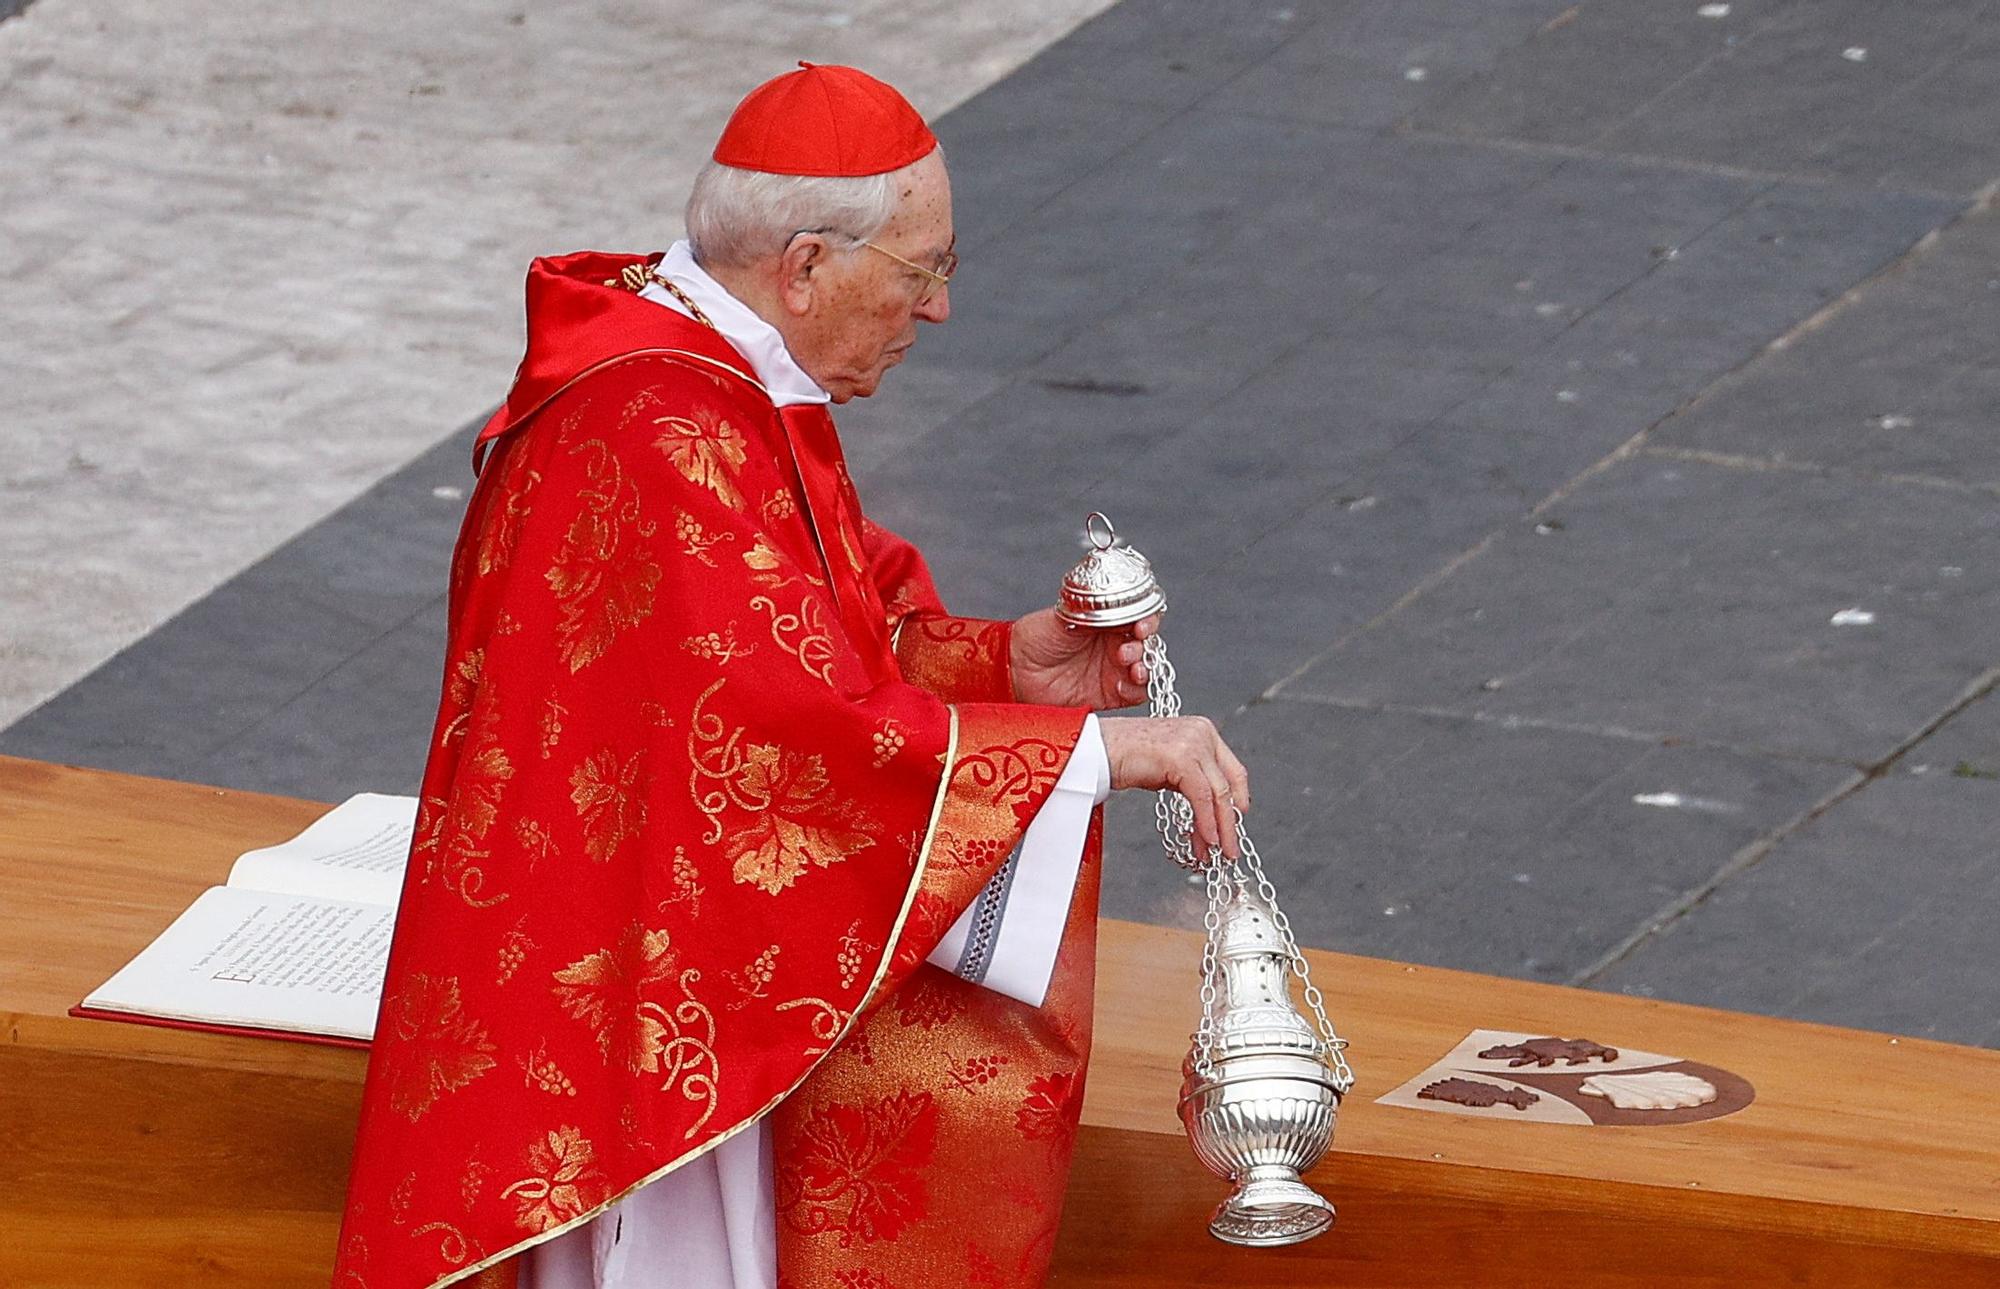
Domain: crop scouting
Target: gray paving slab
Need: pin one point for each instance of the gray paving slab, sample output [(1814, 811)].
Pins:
[(1577, 78), (1905, 379), (1523, 851), (1368, 66), (996, 183), (364, 726), (1936, 131), (1165, 54), (281, 659), (1834, 88), (1697, 601), (1877, 915), (1782, 97)]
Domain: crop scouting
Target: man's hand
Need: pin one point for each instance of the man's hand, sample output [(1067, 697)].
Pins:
[(1063, 666), (1187, 754)]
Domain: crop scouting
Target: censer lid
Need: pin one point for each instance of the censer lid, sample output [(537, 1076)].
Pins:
[(1112, 586)]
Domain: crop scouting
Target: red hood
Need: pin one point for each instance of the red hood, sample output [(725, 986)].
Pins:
[(580, 316)]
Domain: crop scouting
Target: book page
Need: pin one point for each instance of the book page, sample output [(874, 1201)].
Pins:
[(240, 957), (355, 851)]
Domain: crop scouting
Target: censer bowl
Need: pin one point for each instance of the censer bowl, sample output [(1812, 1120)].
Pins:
[(1260, 1120)]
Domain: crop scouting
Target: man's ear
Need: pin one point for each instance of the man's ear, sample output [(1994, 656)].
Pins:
[(804, 254)]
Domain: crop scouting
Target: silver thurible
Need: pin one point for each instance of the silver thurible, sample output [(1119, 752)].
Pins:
[(1261, 1084)]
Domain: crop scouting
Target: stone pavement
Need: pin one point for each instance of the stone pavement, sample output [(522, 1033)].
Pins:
[(1564, 431), (256, 259)]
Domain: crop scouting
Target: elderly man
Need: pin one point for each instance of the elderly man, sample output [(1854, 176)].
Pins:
[(747, 936)]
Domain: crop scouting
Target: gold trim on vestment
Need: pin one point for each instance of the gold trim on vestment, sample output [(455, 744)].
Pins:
[(881, 974)]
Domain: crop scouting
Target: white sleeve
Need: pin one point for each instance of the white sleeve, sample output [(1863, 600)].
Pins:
[(1007, 940)]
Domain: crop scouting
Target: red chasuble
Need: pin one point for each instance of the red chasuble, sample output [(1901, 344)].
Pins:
[(713, 773)]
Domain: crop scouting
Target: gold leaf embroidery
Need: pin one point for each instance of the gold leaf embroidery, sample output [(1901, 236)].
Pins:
[(718, 646), (687, 885), (564, 1181), (697, 541), (536, 841), (604, 576), (825, 1020), (889, 740), (438, 1048), (611, 799), (848, 960), (461, 687), (766, 564), (795, 820), (472, 1181), (754, 979), (801, 823), (706, 450), (501, 536), (455, 1247), (514, 950), (809, 641), (552, 725), (453, 835), (763, 559), (539, 1070), (608, 991)]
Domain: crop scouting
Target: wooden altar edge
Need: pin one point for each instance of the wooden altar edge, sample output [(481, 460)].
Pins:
[(1843, 1119), (151, 1156)]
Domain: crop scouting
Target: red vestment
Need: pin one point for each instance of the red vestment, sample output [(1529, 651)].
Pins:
[(712, 774)]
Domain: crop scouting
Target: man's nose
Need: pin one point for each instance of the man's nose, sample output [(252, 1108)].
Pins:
[(938, 307)]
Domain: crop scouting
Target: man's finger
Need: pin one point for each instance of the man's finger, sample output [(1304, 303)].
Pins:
[(1239, 777), (1206, 834), (1225, 818)]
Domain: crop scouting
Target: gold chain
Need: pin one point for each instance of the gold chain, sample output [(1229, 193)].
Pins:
[(694, 310)]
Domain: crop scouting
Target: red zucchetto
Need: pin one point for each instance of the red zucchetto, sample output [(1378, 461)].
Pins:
[(824, 121)]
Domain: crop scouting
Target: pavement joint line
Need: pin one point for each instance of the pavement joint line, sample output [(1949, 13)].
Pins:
[(1987, 198), (1735, 461), (257, 722), (1584, 152), (1543, 724), (1981, 202), (1350, 482), (1722, 54), (1910, 84), (1424, 585), (1758, 851)]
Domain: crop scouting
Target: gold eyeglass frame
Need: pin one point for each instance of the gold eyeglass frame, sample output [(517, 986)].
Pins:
[(940, 276)]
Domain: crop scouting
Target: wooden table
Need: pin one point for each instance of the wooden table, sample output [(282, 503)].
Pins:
[(135, 1156)]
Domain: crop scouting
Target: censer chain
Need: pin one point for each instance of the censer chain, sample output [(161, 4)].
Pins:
[(1175, 819)]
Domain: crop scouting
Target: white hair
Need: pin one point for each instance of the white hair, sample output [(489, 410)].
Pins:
[(736, 217)]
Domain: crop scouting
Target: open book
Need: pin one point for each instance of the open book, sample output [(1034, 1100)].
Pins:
[(295, 945)]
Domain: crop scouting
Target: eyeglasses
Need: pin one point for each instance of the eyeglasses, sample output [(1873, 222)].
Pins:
[(940, 276)]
